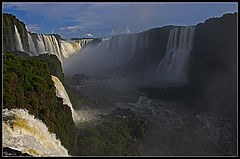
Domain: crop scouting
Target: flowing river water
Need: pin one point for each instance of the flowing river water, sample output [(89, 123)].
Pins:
[(172, 129)]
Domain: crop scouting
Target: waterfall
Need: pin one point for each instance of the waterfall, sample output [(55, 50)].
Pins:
[(70, 48), (173, 68), (56, 48), (133, 46), (142, 41), (32, 47), (40, 44), (83, 42), (23, 132), (105, 43), (67, 49), (44, 44), (48, 46), (19, 46), (61, 93), (147, 40)]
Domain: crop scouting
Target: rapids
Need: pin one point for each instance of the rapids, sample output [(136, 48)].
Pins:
[(23, 132)]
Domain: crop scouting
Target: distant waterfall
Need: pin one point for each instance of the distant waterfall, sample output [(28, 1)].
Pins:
[(133, 46), (147, 40), (32, 47), (105, 43), (60, 92), (173, 68), (70, 48), (45, 44), (56, 47), (23, 132), (19, 46), (41, 44)]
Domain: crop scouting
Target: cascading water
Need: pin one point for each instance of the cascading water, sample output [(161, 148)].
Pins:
[(173, 68), (142, 40), (44, 44), (133, 46), (67, 48), (83, 42), (147, 40), (19, 46), (21, 131), (104, 43), (70, 48), (56, 48), (49, 44), (32, 47), (40, 44), (60, 92), (174, 129)]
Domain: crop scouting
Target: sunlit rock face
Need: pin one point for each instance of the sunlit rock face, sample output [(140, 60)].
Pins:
[(25, 133), (71, 48), (61, 93)]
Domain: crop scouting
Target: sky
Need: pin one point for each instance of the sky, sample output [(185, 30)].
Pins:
[(105, 19)]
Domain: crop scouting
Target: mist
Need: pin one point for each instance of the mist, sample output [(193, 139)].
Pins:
[(136, 57), (181, 120), (98, 59)]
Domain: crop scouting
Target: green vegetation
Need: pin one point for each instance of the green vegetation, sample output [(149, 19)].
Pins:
[(54, 65), (9, 21), (77, 99), (55, 68), (118, 137), (27, 84)]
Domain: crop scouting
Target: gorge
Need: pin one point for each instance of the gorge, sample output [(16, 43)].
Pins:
[(180, 79)]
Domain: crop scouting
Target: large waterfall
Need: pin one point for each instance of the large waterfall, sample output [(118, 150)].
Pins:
[(42, 43), (173, 68), (32, 46), (60, 92), (19, 46), (21, 131), (133, 46), (69, 48)]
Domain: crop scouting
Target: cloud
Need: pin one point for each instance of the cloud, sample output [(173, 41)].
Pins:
[(33, 27), (128, 30), (75, 27), (89, 35), (15, 5), (75, 19)]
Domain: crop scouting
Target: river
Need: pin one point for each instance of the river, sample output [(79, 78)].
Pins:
[(172, 130)]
